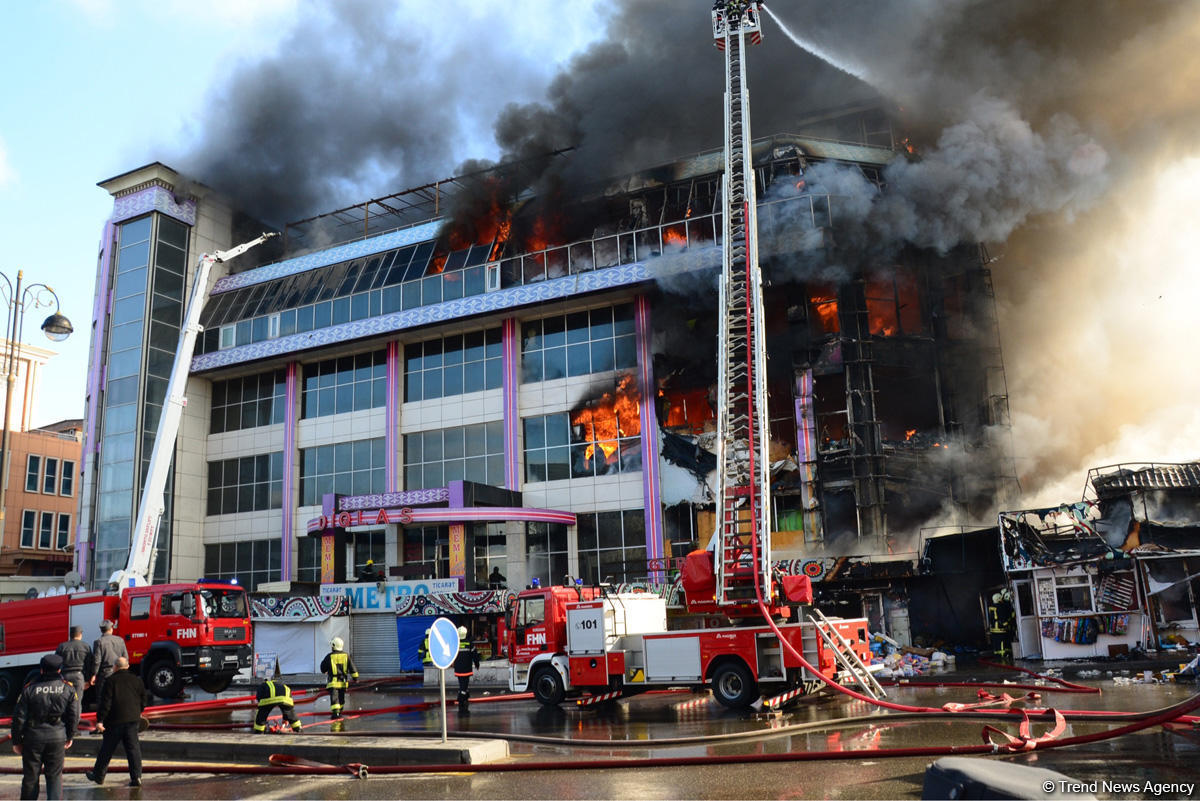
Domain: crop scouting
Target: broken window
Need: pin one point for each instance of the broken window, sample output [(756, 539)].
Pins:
[(894, 303), (823, 311)]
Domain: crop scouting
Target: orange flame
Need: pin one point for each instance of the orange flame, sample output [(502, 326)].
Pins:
[(908, 434), (675, 235), (688, 408), (826, 308), (612, 415)]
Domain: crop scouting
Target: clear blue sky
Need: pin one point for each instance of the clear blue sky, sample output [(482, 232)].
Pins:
[(94, 88)]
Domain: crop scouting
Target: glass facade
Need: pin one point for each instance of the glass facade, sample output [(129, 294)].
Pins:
[(248, 402), (546, 552), (245, 484), (452, 365), (578, 343), (347, 468), (474, 453), (612, 546), (250, 562), (345, 384)]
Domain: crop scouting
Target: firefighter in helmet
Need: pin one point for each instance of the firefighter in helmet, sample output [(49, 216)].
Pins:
[(423, 651), (339, 668), (464, 668), (1001, 623), (274, 693)]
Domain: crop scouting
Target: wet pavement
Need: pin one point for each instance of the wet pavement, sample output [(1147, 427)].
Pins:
[(651, 727)]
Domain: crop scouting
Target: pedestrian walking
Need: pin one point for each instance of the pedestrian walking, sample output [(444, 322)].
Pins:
[(340, 669), (105, 652), (271, 694), (464, 668), (118, 717), (44, 723), (78, 664)]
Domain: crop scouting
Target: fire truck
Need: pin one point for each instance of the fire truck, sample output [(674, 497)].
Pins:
[(174, 632), (575, 641)]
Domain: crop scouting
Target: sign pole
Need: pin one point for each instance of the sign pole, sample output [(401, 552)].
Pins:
[(443, 672)]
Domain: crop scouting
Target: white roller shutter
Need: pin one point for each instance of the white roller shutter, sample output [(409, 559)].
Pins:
[(373, 643)]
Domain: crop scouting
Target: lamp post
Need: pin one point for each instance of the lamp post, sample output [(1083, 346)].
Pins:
[(57, 328)]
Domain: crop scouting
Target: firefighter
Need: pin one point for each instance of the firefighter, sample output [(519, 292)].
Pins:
[(44, 723), (1001, 623), (464, 667), (271, 694), (78, 664), (105, 652), (423, 651), (339, 667)]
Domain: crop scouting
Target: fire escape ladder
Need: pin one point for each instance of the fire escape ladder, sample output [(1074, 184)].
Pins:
[(742, 546), (866, 441)]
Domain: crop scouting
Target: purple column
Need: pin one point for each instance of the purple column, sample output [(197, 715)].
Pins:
[(649, 423), (512, 414), (290, 496), (392, 436)]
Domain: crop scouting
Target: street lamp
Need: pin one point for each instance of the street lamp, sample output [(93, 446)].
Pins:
[(57, 328)]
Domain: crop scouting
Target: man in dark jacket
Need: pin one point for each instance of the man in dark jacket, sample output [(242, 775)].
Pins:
[(78, 665), (118, 714), (43, 725), (105, 652), (464, 668), (271, 694)]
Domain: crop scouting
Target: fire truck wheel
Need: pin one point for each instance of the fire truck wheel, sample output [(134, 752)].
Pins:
[(8, 684), (733, 685), (164, 679), (548, 687), (214, 684)]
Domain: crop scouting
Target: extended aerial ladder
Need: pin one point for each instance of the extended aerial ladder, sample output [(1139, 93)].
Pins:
[(150, 508), (741, 545)]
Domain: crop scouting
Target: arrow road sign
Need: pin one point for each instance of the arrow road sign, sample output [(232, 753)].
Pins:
[(443, 642)]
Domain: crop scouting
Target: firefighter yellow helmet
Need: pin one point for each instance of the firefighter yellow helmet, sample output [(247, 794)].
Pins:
[(462, 632), (336, 644)]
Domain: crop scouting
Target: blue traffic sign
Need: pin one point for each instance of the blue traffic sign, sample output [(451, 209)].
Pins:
[(443, 642)]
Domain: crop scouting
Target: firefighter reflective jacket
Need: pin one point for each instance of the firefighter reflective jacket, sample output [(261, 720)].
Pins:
[(338, 665), (273, 693)]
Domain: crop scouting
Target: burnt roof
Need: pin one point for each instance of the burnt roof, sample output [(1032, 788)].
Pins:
[(1125, 478)]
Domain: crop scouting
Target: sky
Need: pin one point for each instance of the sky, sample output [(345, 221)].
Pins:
[(1062, 133)]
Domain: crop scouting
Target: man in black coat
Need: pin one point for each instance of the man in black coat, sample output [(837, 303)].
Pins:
[(118, 714), (78, 665), (44, 723)]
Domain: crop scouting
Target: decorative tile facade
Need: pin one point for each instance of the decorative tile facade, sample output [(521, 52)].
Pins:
[(153, 198)]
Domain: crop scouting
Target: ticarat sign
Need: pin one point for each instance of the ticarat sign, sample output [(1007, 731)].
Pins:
[(366, 596)]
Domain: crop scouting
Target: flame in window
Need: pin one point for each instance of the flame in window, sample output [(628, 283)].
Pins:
[(611, 416)]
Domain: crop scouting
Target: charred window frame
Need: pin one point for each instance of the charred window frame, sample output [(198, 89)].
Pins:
[(894, 303), (453, 365), (472, 453)]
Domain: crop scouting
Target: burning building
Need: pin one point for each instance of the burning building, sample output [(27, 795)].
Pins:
[(469, 376)]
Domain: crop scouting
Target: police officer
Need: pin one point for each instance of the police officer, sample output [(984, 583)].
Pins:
[(43, 726), (105, 652), (273, 694), (464, 668), (78, 665), (339, 667)]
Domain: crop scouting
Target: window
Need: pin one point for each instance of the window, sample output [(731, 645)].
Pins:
[(532, 612), (33, 469), (345, 384), (427, 547), (347, 468), (491, 551), (248, 402), (546, 552), (50, 476), (452, 365), (227, 337), (612, 546), (28, 528), (601, 438), (64, 532), (1073, 594), (139, 607), (474, 453), (67, 485), (370, 545), (250, 562), (894, 304), (46, 530), (245, 484), (578, 343), (308, 563)]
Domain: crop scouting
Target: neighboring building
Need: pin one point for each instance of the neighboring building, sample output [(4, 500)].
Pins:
[(42, 499), (1115, 571), (528, 387)]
